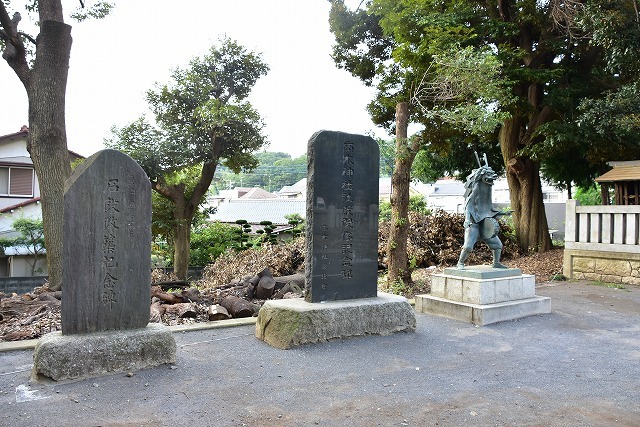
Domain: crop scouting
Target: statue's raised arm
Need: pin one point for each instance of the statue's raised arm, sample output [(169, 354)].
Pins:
[(480, 217)]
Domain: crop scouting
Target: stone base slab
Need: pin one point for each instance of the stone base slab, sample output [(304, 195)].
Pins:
[(290, 322), (69, 357), (483, 291), (482, 272), (482, 314)]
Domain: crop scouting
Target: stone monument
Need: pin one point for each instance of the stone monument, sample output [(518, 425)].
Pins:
[(341, 297), (106, 275), (482, 294)]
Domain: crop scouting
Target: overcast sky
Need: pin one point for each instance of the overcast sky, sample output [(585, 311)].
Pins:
[(115, 60)]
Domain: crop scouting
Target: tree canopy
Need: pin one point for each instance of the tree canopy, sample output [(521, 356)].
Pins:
[(274, 171), (202, 118), (562, 67)]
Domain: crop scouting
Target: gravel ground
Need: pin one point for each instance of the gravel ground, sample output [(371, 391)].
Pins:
[(577, 366)]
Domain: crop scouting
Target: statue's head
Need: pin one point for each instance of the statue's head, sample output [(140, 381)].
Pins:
[(483, 173)]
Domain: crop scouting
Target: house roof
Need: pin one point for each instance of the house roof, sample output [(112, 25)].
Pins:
[(298, 187), (622, 171), (257, 193), (448, 188), (254, 211), (24, 132), (20, 205)]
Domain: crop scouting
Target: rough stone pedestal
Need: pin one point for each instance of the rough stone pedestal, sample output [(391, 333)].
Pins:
[(77, 356), (289, 322), (483, 295)]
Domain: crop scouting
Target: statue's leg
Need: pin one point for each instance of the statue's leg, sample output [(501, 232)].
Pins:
[(496, 247), (471, 234)]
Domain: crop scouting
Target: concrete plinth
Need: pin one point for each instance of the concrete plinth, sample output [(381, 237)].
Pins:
[(291, 322), (69, 357), (482, 295)]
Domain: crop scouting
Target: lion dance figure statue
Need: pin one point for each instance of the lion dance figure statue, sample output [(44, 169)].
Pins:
[(480, 217)]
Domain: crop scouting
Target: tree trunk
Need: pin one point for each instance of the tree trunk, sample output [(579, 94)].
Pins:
[(181, 245), (523, 176), (184, 211), (399, 228), (47, 142)]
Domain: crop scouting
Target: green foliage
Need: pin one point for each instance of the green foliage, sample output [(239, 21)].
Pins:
[(98, 10), (387, 156), (417, 204), (610, 123), (202, 119), (568, 73), (31, 238), (209, 241), (31, 235), (163, 221), (462, 87), (266, 234), (274, 171), (201, 116), (298, 224), (241, 235), (589, 196)]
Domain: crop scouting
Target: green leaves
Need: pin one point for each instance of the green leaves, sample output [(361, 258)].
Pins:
[(200, 116), (31, 235)]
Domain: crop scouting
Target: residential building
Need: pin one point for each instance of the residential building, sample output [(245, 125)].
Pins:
[(19, 197)]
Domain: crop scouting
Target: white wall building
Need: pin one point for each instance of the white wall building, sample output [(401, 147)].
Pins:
[(19, 198)]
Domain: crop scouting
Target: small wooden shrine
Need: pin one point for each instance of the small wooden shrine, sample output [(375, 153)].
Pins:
[(625, 178)]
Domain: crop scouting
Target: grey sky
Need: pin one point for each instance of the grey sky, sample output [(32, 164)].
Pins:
[(115, 60)]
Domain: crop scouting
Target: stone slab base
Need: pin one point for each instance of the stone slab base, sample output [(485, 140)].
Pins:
[(69, 357), (290, 322), (482, 272), (482, 314), (474, 290)]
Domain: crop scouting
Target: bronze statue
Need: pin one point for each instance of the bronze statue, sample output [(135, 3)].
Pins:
[(480, 217)]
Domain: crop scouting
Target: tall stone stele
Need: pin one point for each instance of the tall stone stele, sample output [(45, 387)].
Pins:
[(107, 245), (342, 217), (341, 286), (106, 275)]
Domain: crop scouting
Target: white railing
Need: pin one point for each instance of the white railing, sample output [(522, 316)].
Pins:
[(602, 228)]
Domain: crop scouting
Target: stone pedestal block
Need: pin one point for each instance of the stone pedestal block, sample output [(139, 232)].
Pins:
[(69, 357), (483, 295), (291, 322)]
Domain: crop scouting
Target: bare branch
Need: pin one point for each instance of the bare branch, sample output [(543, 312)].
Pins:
[(27, 36), (14, 52), (564, 14)]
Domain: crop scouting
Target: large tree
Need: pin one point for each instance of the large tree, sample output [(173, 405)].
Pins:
[(555, 56), (367, 52), (201, 118), (45, 80)]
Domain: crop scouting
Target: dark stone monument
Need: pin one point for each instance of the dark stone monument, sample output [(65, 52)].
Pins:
[(107, 241), (342, 217), (341, 288), (106, 276)]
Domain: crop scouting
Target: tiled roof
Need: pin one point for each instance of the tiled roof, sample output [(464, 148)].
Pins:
[(19, 205), (254, 211), (258, 193)]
